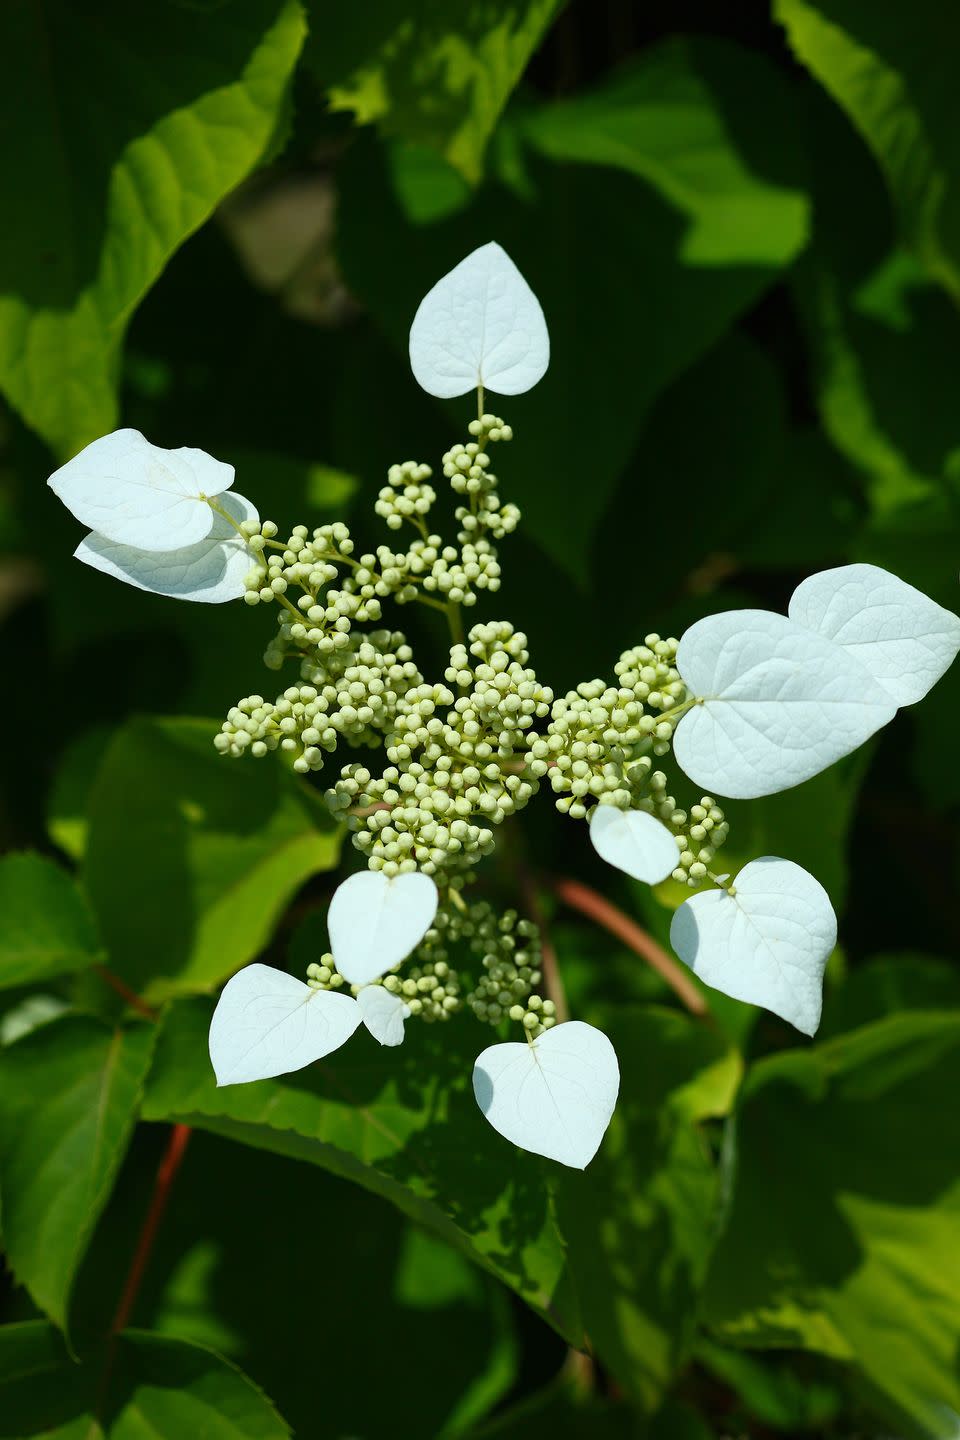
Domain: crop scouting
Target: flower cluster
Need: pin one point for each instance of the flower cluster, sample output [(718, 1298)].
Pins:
[(746, 703)]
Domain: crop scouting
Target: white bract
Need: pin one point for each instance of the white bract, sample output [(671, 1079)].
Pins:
[(766, 940), (481, 325), (269, 1023), (374, 922), (134, 493), (777, 703), (211, 571), (383, 1014), (900, 635), (634, 842), (553, 1096)]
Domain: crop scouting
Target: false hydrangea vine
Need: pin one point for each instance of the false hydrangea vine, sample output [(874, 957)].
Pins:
[(746, 703)]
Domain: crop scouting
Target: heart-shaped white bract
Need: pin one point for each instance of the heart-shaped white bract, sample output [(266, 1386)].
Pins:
[(480, 325), (553, 1096), (634, 842), (906, 640), (269, 1023), (134, 493), (779, 703), (375, 922), (383, 1014), (211, 571), (766, 941)]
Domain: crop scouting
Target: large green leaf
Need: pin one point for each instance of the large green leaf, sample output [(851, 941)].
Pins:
[(46, 927), (402, 1123), (428, 72), (158, 1387), (141, 118), (891, 70), (639, 1225), (68, 1098), (674, 117), (191, 858), (844, 1234)]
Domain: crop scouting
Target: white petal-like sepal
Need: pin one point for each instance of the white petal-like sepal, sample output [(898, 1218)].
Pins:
[(480, 325), (134, 493), (374, 922), (383, 1014), (779, 703), (553, 1097), (269, 1023), (634, 842), (212, 571), (906, 640), (766, 943)]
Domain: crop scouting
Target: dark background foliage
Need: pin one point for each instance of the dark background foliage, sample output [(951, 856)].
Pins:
[(743, 224)]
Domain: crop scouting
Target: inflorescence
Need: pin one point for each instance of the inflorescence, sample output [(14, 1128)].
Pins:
[(463, 753)]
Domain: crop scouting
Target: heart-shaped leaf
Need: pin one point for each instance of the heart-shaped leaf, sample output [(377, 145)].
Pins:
[(777, 703), (634, 842), (906, 640), (269, 1023), (480, 325), (211, 571), (383, 1014), (374, 922), (766, 940), (553, 1096), (134, 493)]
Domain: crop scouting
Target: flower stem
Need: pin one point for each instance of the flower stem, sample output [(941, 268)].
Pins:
[(590, 903), (166, 1174), (123, 990)]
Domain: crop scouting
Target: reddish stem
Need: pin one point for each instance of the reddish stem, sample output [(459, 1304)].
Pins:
[(590, 903), (166, 1174), (123, 990)]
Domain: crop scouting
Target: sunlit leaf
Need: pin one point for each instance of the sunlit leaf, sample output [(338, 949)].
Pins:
[(779, 703), (903, 638), (553, 1095), (634, 842), (481, 326), (765, 940), (374, 921), (270, 1023), (105, 193)]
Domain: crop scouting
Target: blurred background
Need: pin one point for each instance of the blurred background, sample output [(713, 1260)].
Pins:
[(743, 224)]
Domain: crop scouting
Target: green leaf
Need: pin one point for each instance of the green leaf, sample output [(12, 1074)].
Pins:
[(191, 858), (403, 1124), (47, 928), (104, 193), (68, 1098), (673, 117), (639, 1223), (425, 72), (889, 69), (844, 1234), (200, 1286), (157, 1386)]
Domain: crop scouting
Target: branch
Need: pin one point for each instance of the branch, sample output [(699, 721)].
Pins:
[(123, 990), (590, 903), (166, 1174)]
